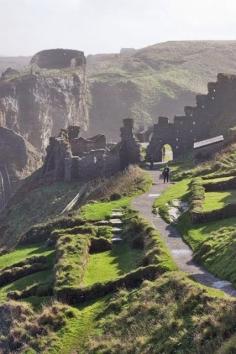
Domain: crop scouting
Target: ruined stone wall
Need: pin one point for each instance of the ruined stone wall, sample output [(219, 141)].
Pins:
[(129, 147), (74, 158), (213, 115), (58, 58)]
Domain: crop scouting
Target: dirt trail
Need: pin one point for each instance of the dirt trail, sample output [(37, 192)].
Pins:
[(180, 251)]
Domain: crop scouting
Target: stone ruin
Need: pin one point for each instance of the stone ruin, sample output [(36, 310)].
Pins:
[(58, 59), (72, 157), (214, 114)]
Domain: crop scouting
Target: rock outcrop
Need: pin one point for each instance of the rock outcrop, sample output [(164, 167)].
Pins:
[(18, 159), (58, 59), (39, 103)]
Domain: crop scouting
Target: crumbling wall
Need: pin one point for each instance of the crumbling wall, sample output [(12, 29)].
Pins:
[(213, 115), (129, 147), (70, 157)]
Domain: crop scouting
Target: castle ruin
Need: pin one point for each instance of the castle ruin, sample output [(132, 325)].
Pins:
[(72, 157), (214, 114)]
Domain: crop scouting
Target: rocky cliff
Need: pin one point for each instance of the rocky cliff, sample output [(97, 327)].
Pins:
[(18, 159), (50, 96)]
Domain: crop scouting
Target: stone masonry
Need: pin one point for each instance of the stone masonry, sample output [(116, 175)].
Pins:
[(71, 157), (214, 114)]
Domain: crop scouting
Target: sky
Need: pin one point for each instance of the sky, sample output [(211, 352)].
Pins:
[(105, 26)]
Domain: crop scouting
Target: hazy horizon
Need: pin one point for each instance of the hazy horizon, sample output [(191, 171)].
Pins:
[(105, 26)]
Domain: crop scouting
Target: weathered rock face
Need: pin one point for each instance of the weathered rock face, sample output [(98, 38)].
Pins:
[(58, 59), (38, 105), (18, 159)]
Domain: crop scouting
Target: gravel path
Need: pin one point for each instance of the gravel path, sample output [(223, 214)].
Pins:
[(181, 252)]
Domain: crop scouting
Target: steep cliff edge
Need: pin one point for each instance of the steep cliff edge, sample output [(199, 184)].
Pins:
[(50, 96), (18, 159)]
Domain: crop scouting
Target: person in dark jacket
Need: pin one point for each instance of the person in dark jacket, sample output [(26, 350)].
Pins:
[(166, 174)]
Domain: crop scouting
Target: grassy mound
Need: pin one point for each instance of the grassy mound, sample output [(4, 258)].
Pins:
[(169, 315)]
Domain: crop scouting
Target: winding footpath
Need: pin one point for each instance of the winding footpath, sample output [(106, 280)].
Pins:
[(180, 251)]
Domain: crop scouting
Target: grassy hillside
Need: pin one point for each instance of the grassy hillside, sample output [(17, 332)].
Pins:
[(213, 239), (156, 80), (112, 297), (170, 315)]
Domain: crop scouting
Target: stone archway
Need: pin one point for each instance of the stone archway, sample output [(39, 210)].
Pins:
[(167, 153)]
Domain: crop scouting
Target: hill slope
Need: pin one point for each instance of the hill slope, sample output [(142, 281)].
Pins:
[(156, 80)]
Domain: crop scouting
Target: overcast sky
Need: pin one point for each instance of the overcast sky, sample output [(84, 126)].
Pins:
[(98, 26)]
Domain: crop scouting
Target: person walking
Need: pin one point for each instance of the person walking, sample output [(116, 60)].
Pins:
[(166, 174)]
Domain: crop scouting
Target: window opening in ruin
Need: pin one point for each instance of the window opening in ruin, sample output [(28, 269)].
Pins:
[(167, 153)]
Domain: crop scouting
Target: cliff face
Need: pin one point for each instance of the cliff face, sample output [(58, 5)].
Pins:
[(39, 103), (18, 159)]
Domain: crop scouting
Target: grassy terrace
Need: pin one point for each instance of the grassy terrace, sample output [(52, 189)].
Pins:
[(109, 265), (213, 242), (102, 210), (217, 200), (21, 253)]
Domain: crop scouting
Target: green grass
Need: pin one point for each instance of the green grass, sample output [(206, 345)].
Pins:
[(218, 179), (71, 264), (73, 336), (179, 190), (21, 284), (102, 210), (218, 200), (21, 253), (169, 315), (110, 265)]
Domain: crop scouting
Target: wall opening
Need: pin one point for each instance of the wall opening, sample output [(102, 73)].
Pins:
[(167, 153)]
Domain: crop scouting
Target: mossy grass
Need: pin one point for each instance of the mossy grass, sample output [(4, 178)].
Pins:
[(71, 260), (21, 253), (109, 265), (171, 314), (217, 200)]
